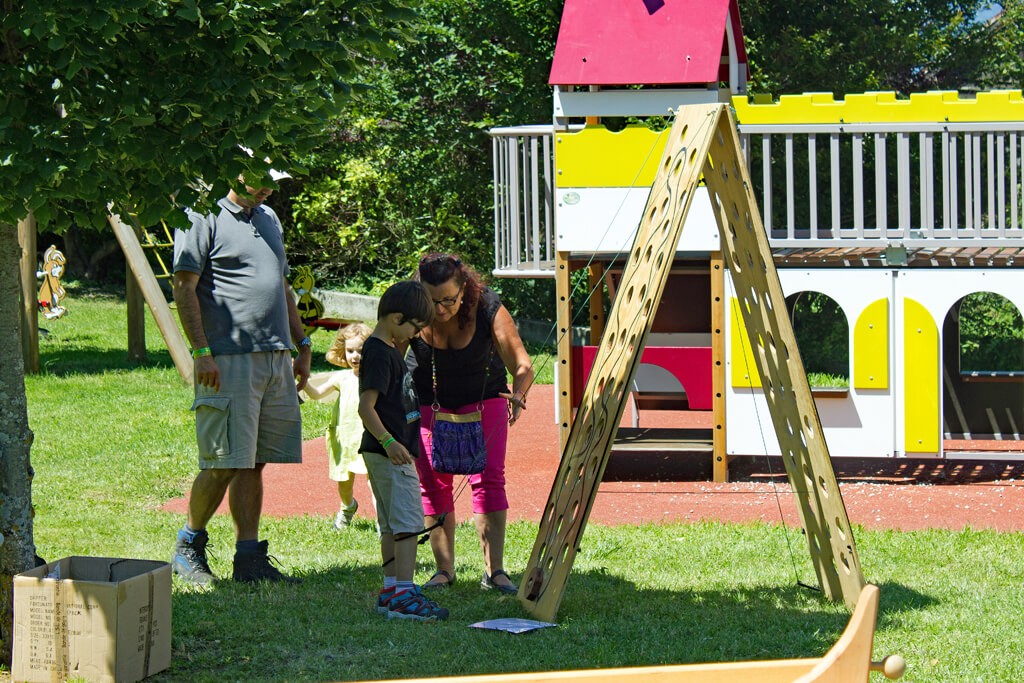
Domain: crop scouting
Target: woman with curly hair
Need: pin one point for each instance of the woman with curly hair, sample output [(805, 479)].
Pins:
[(465, 352)]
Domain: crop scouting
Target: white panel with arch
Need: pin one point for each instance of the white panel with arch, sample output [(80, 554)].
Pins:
[(858, 423)]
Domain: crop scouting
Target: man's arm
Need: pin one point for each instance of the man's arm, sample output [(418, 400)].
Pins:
[(300, 366), (187, 302)]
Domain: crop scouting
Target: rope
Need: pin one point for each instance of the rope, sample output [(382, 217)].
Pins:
[(764, 447)]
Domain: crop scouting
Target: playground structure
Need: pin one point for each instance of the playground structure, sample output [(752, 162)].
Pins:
[(702, 144), (896, 209)]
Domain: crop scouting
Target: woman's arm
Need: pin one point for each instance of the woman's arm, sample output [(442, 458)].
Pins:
[(516, 359)]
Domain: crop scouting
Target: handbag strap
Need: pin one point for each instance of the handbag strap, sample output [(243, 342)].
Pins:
[(436, 405)]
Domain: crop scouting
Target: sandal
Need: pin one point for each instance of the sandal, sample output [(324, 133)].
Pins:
[(488, 582), (433, 584)]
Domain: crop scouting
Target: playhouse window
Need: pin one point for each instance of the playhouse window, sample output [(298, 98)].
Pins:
[(822, 336), (991, 334)]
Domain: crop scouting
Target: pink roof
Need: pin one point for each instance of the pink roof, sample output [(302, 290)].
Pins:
[(644, 42)]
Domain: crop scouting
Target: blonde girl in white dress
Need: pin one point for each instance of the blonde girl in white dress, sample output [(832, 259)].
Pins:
[(345, 429)]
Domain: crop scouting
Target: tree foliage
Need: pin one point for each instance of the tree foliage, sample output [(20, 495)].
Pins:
[(822, 333), (991, 333), (1007, 68), (131, 102), (851, 46), (408, 166)]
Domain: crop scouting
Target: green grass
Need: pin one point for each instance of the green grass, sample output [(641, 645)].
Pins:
[(825, 380), (114, 441)]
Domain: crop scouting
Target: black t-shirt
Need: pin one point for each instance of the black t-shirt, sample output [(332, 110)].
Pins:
[(383, 369), (463, 375)]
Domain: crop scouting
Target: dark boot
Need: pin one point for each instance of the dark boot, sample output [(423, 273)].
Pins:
[(189, 560), (257, 566)]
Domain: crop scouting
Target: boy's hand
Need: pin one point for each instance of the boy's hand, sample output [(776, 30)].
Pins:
[(398, 454)]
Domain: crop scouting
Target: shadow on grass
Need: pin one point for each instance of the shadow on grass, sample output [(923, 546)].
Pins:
[(90, 360), (93, 360), (327, 628), (897, 599)]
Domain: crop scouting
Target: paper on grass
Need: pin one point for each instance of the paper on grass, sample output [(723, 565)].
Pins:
[(512, 625)]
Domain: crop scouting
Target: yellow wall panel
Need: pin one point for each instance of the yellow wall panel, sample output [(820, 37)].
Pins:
[(920, 379), (597, 157), (744, 367), (871, 347), (880, 107)]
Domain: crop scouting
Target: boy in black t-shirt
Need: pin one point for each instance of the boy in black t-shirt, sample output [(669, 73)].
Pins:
[(389, 409)]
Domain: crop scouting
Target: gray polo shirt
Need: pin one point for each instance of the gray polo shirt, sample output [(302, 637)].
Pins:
[(241, 265)]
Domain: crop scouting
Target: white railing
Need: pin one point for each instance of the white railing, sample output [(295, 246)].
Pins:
[(846, 185), (912, 185), (524, 239)]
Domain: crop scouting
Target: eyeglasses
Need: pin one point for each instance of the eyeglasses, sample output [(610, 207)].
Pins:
[(448, 301), (418, 326)]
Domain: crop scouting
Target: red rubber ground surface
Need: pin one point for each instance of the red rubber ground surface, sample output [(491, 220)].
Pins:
[(887, 493)]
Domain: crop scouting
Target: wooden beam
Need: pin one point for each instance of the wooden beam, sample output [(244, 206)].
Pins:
[(29, 297), (136, 304), (595, 272), (720, 458), (563, 350), (154, 296)]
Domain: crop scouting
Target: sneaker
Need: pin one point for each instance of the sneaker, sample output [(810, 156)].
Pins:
[(343, 519), (410, 604), (257, 566), (384, 599), (189, 560)]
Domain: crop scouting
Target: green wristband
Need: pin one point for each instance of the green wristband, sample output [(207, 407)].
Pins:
[(205, 351), (387, 442)]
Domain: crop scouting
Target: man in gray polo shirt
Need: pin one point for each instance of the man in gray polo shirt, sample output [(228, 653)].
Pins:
[(234, 303)]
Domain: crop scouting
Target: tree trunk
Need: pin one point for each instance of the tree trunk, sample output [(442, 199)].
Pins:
[(17, 547)]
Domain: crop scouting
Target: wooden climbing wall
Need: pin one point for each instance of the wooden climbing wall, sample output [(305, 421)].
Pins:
[(702, 142)]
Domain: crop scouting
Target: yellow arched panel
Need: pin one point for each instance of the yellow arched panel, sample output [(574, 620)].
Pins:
[(597, 157), (871, 347), (920, 379), (744, 369)]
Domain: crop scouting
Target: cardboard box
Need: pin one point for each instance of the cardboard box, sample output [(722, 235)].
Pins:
[(98, 618)]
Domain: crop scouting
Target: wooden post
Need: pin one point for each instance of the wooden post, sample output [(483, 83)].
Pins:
[(29, 298), (154, 296), (596, 275), (136, 305), (563, 350), (720, 464)]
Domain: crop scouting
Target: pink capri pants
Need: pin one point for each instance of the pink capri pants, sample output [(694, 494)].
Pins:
[(489, 486)]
